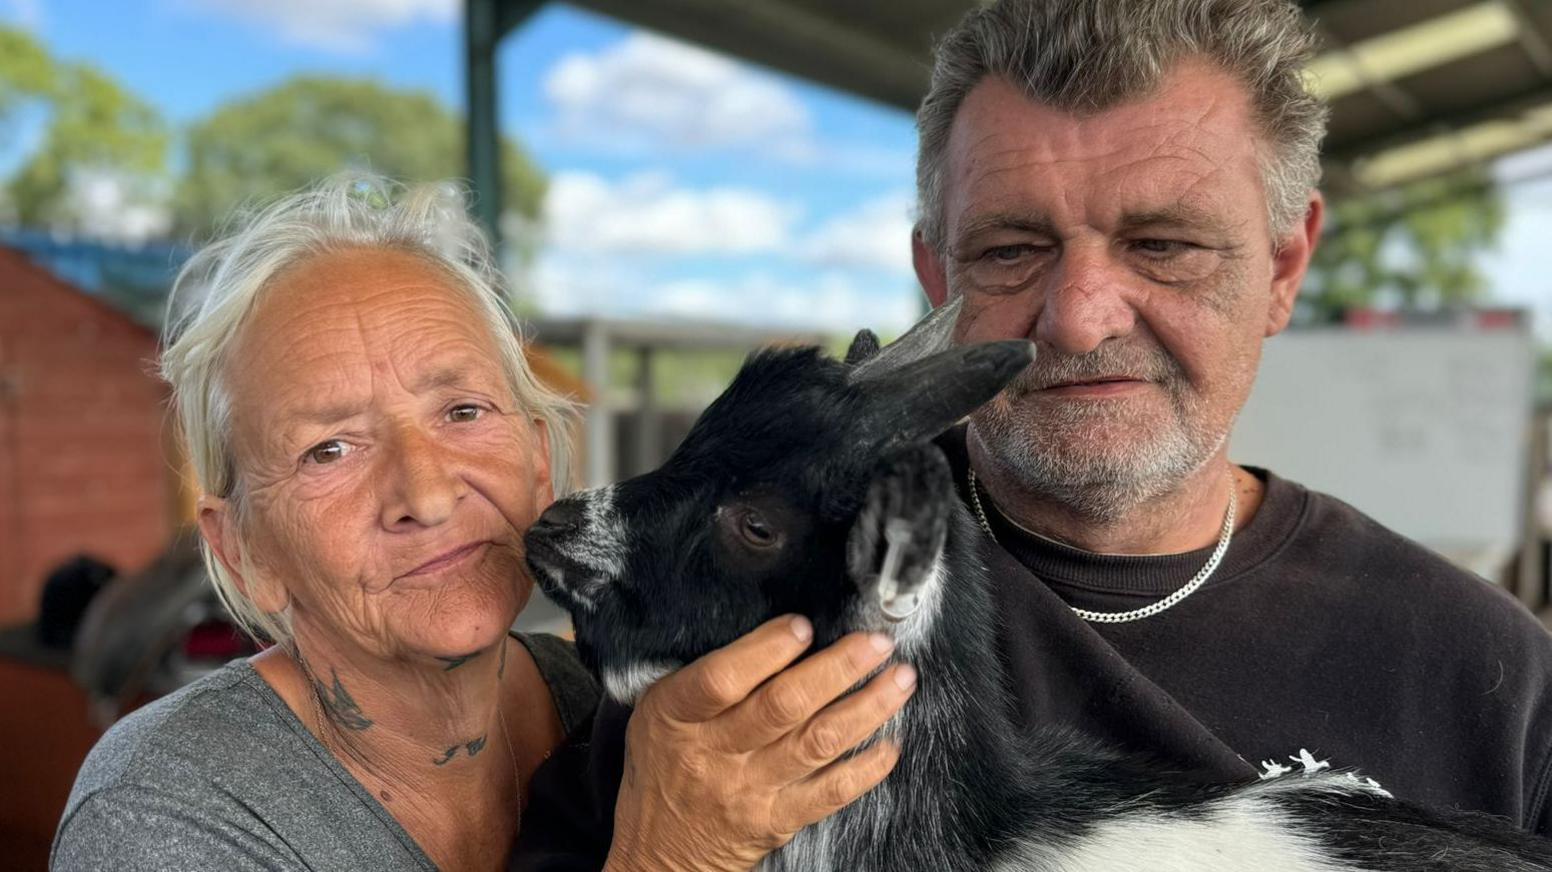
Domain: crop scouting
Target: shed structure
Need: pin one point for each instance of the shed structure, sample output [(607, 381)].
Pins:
[(83, 452)]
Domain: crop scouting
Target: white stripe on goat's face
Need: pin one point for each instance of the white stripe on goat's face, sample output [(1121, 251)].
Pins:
[(583, 553), (603, 537)]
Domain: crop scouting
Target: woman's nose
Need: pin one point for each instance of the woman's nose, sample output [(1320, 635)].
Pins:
[(1086, 304), (422, 488)]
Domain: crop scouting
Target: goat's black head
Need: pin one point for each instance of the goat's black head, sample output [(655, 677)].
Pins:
[(810, 486)]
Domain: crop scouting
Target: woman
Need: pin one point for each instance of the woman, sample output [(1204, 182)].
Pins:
[(371, 446)]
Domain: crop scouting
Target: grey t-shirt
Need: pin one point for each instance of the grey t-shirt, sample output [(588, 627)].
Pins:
[(221, 775)]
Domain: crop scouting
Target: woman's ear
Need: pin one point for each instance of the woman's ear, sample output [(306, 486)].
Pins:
[(543, 475), (218, 524)]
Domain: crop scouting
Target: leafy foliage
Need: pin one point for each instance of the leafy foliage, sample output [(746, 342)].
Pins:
[(26, 70), (93, 125), (308, 127), (1416, 246)]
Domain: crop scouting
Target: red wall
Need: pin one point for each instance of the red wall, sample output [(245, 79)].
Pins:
[(82, 460)]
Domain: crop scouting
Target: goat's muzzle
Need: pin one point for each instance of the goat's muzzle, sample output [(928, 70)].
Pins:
[(574, 549)]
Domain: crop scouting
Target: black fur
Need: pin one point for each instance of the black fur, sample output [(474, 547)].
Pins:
[(799, 449)]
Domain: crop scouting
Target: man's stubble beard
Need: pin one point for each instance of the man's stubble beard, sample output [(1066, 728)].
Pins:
[(1096, 456)]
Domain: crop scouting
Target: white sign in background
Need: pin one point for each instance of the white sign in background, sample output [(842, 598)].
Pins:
[(1425, 429)]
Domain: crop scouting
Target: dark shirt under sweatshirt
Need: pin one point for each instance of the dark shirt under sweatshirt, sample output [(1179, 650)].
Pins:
[(1320, 631)]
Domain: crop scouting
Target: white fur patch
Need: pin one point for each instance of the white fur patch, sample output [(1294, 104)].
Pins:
[(1239, 834), (628, 684), (912, 632), (581, 593), (602, 537)]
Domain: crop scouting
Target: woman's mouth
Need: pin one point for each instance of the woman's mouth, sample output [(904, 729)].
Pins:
[(448, 559)]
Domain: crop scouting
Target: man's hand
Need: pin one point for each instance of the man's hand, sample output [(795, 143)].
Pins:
[(725, 763)]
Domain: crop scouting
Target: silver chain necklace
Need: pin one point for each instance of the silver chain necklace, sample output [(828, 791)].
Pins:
[(1147, 611)]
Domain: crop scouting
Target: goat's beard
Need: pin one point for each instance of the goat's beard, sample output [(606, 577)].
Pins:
[(1100, 458)]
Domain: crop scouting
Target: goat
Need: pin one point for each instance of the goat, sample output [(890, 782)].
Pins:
[(812, 486)]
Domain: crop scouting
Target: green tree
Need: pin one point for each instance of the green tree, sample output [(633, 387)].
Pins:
[(26, 71), (92, 124), (1418, 244), (308, 127)]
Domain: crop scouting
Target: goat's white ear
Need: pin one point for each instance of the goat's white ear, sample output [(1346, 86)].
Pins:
[(932, 334), (896, 545)]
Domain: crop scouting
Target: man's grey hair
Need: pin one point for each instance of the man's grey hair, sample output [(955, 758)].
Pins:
[(218, 289), (1086, 56)]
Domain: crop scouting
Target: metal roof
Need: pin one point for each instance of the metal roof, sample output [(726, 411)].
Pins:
[(1403, 73)]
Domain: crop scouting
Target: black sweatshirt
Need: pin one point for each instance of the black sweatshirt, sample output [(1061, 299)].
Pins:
[(1321, 631)]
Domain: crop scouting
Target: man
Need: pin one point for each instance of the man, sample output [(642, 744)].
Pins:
[(1130, 184)]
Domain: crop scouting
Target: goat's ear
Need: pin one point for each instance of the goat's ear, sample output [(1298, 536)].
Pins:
[(932, 334), (895, 547), (929, 396), (863, 346)]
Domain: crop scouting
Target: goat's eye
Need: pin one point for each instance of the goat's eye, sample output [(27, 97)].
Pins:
[(756, 531)]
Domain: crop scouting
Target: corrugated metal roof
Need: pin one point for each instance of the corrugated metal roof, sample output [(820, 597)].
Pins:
[(1462, 63)]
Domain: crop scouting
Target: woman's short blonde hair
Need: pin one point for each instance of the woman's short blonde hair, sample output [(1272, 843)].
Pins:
[(217, 290)]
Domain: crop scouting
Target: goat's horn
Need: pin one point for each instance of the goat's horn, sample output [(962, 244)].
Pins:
[(927, 337)]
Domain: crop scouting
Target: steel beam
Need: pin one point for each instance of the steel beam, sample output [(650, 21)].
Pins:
[(485, 22)]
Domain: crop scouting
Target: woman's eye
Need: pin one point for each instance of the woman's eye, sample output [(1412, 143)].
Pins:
[(464, 413), (327, 452)]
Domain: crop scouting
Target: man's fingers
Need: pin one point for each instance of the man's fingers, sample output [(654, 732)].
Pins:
[(722, 679), (834, 787), (838, 728)]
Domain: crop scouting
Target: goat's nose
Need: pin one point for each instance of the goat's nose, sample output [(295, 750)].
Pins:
[(560, 518)]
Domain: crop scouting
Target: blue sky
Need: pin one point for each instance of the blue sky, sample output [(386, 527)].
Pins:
[(682, 183)]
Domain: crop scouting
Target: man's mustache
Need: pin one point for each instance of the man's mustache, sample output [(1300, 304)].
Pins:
[(1052, 368)]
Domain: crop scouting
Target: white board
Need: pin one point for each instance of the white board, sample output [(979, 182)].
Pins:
[(1424, 429)]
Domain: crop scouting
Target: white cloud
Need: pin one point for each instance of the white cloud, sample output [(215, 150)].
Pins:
[(26, 14), (647, 93), (116, 208), (647, 214), (599, 231), (834, 302), (653, 88), (875, 235), (347, 26)]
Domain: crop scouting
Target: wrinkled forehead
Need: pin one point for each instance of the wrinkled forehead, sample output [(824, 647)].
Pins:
[(362, 298), (1193, 141), (342, 326)]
